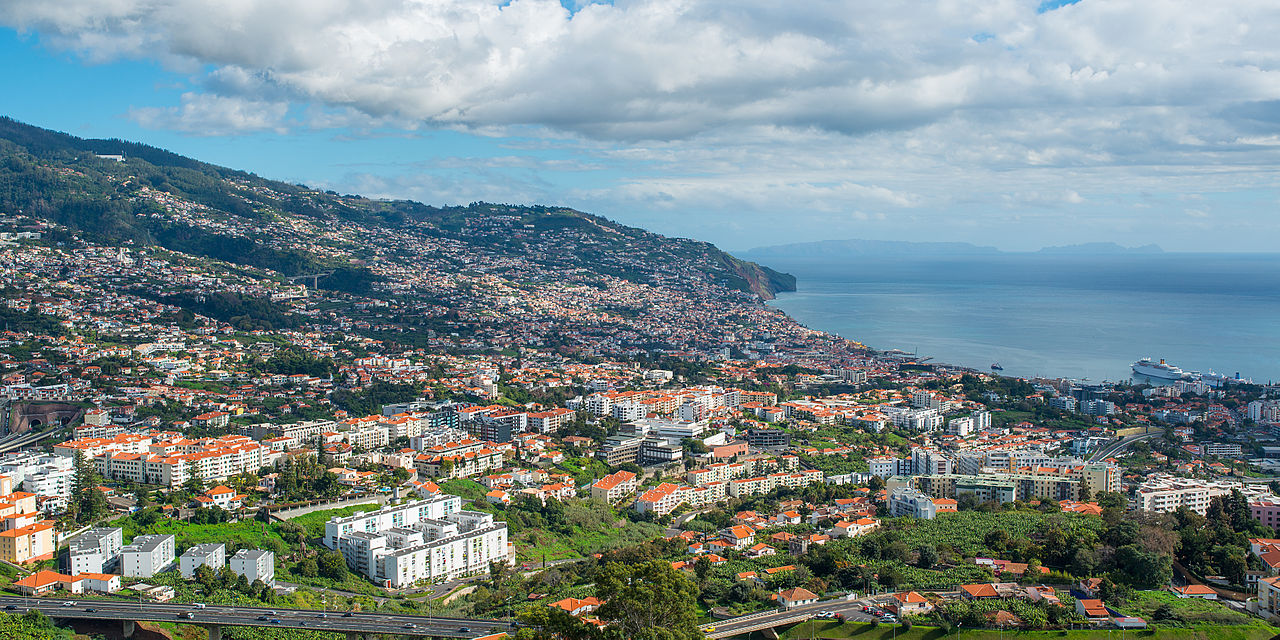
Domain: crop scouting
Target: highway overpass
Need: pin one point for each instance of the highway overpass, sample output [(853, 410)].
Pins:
[(215, 617)]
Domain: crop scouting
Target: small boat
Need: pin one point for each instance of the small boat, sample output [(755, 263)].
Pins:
[(995, 366)]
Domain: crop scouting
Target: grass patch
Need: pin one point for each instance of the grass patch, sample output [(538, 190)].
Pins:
[(1187, 611), (314, 522), (464, 488), (249, 534)]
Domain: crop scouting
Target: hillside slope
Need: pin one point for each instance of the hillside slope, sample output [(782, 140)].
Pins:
[(155, 197)]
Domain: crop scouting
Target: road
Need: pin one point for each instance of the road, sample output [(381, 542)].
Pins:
[(337, 622), (348, 594), (1121, 445), (20, 440), (851, 609)]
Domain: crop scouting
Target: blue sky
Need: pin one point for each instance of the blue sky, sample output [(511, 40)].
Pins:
[(1015, 123)]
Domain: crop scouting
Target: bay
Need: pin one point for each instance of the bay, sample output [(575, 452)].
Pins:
[(1078, 316)]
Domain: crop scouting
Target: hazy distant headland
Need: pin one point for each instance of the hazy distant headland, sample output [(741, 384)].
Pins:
[(899, 248)]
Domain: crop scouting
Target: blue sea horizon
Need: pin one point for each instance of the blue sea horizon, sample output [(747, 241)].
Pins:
[(1075, 316)]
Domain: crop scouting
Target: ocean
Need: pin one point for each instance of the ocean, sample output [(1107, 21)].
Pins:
[(1071, 316)]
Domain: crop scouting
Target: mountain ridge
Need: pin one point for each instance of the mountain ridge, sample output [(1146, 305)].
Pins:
[(71, 181)]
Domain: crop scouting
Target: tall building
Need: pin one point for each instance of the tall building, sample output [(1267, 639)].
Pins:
[(94, 551), (254, 564), (418, 547), (212, 554), (402, 515), (147, 555)]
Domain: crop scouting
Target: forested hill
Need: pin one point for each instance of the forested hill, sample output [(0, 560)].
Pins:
[(155, 197)]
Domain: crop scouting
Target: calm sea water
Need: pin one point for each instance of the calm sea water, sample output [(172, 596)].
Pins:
[(1073, 316)]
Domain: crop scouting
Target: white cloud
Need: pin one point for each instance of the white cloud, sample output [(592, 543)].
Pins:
[(204, 114), (928, 113), (661, 69)]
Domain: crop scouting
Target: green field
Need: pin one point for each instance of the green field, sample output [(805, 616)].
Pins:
[(1186, 611), (314, 522), (832, 629), (536, 545), (464, 488), (246, 533)]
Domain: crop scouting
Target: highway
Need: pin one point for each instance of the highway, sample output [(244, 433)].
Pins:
[(1120, 445), (852, 610), (19, 440), (332, 621)]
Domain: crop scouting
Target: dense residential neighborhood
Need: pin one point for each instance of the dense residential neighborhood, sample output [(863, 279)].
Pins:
[(520, 413)]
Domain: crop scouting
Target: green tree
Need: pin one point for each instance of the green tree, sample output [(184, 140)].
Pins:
[(649, 601), (331, 565), (926, 556), (307, 568), (207, 577)]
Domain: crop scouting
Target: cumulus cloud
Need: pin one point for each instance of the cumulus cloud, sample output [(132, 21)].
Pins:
[(851, 111), (663, 69), (212, 115)]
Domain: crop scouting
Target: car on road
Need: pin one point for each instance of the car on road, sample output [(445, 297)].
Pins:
[(186, 615), (347, 614), (826, 615), (890, 618), (263, 618), (464, 630), (198, 605), (68, 604), (275, 621), (322, 615), (91, 610), (10, 607), (409, 625)]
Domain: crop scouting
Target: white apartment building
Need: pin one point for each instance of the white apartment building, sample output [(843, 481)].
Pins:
[(1219, 449), (628, 411), (40, 473), (962, 426), (254, 564), (170, 459), (212, 555), (460, 544), (403, 515), (914, 419), (928, 462), (94, 551), (147, 556), (1263, 411), (764, 484), (909, 502), (550, 421), (368, 436), (1165, 493), (931, 400), (599, 404), (889, 466)]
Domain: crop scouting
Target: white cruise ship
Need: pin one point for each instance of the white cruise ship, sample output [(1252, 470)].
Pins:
[(1161, 371)]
